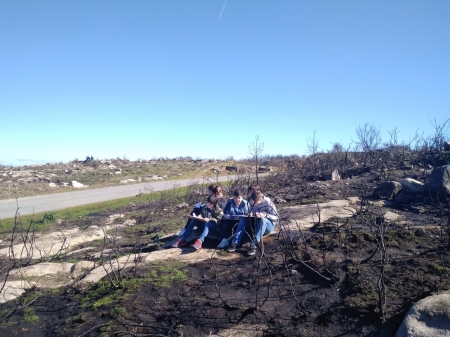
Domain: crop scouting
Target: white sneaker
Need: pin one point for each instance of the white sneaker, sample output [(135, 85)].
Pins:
[(223, 244)]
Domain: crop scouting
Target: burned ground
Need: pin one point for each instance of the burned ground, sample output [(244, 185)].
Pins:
[(270, 294), (221, 295)]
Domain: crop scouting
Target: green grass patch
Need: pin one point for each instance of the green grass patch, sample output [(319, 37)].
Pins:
[(118, 311), (222, 252), (159, 275), (162, 276), (48, 217), (53, 291), (5, 311), (442, 269), (72, 261), (27, 299), (312, 201), (29, 315)]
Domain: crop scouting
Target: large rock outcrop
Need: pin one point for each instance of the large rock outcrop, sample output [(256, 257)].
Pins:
[(439, 181), (333, 176), (429, 317)]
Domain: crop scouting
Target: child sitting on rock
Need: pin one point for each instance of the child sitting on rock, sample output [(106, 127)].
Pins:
[(234, 209), (211, 213), (213, 189)]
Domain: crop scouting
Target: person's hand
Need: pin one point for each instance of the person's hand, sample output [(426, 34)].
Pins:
[(206, 219)]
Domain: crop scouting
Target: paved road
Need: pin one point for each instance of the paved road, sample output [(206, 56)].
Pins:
[(53, 202)]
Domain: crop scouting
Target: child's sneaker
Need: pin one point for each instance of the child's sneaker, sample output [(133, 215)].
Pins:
[(179, 243), (251, 251), (232, 248), (175, 245), (197, 244)]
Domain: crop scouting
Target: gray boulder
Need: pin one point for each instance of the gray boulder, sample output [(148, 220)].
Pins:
[(439, 181), (429, 317), (333, 175), (388, 189), (412, 186)]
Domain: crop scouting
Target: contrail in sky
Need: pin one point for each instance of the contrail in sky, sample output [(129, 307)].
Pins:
[(223, 8)]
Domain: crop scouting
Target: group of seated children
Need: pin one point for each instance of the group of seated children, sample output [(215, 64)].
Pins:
[(255, 216)]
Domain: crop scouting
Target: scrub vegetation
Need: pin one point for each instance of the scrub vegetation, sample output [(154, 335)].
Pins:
[(356, 276)]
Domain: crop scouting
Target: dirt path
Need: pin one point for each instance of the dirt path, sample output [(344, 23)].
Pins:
[(53, 202)]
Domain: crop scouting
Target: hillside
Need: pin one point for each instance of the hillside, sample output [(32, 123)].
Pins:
[(318, 275)]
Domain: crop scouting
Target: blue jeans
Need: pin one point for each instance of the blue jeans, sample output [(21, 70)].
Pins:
[(226, 228), (196, 211), (210, 227), (263, 227), (190, 227)]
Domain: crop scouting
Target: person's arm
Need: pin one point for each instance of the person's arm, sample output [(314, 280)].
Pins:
[(243, 208), (267, 211), (272, 213), (227, 209), (217, 214), (204, 212)]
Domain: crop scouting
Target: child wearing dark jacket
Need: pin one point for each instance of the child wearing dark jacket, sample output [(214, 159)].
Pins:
[(213, 189), (209, 218)]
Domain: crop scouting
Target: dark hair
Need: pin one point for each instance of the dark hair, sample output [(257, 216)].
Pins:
[(237, 193), (256, 192), (213, 200), (256, 195), (216, 189), (254, 187)]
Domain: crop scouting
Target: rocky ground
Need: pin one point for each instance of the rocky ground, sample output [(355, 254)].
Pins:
[(317, 277)]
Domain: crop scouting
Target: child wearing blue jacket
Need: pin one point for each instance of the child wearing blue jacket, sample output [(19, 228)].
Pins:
[(235, 208)]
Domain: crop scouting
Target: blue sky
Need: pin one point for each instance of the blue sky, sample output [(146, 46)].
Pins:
[(144, 79)]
